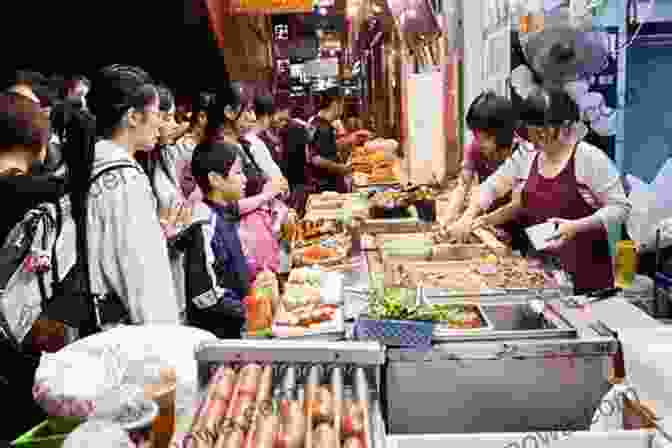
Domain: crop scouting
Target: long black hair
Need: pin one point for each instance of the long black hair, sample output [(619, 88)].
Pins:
[(494, 114), (116, 89), (229, 99)]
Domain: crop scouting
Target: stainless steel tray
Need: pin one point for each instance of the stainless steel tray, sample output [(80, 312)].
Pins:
[(442, 331), (511, 319)]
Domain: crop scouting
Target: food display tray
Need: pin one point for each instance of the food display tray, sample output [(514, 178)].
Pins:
[(552, 287), (405, 225), (442, 332), (334, 331)]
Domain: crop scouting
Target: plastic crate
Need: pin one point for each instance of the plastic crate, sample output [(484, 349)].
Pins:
[(48, 434), (396, 333)]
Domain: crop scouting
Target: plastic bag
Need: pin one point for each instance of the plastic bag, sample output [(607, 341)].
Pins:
[(647, 216), (98, 433), (69, 383)]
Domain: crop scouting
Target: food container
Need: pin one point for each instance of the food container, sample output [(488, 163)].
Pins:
[(406, 225), (300, 373), (460, 279)]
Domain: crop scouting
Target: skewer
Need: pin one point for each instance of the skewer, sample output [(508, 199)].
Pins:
[(362, 390), (337, 392)]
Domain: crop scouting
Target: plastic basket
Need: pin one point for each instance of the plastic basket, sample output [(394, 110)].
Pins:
[(396, 333)]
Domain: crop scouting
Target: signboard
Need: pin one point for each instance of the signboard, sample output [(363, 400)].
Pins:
[(272, 6), (303, 48), (329, 24)]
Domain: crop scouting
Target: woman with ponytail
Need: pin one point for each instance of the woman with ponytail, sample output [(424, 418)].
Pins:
[(127, 251)]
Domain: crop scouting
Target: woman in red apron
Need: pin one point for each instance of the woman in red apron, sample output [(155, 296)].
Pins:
[(491, 118), (570, 183)]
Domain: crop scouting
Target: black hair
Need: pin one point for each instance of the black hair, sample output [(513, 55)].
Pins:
[(46, 94), (210, 156), (57, 83), (166, 98), (116, 89), (229, 99), (549, 107), (495, 114), (264, 106), (22, 123), (201, 103), (26, 77), (328, 97)]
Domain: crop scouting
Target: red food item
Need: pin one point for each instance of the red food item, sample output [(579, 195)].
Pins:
[(353, 442)]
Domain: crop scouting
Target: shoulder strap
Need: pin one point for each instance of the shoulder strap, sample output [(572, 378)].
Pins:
[(82, 246), (245, 144)]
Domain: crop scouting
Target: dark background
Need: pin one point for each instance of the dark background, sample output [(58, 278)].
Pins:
[(171, 39)]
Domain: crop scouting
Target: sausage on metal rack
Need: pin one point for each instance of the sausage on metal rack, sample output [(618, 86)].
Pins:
[(293, 425)]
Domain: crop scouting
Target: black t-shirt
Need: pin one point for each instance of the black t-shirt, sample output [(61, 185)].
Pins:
[(324, 145), (295, 138)]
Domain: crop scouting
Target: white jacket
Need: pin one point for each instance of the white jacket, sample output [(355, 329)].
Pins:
[(127, 249)]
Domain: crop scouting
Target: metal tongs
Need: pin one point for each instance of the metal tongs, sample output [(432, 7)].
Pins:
[(590, 298)]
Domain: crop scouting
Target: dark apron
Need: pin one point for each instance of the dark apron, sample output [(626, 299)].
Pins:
[(512, 232), (586, 258)]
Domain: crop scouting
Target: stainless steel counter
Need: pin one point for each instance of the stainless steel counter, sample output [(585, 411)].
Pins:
[(529, 373)]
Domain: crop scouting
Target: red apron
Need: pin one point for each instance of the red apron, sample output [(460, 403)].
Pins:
[(587, 257)]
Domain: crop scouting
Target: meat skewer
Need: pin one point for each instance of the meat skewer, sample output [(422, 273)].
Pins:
[(362, 391), (310, 396), (337, 393), (217, 402), (262, 404), (233, 423)]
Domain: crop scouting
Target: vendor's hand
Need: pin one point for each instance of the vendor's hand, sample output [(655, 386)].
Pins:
[(566, 231), (461, 229)]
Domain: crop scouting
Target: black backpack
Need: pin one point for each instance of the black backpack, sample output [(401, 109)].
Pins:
[(44, 274)]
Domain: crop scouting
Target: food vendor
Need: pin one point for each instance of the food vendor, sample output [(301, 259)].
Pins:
[(324, 171), (492, 120), (567, 182)]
